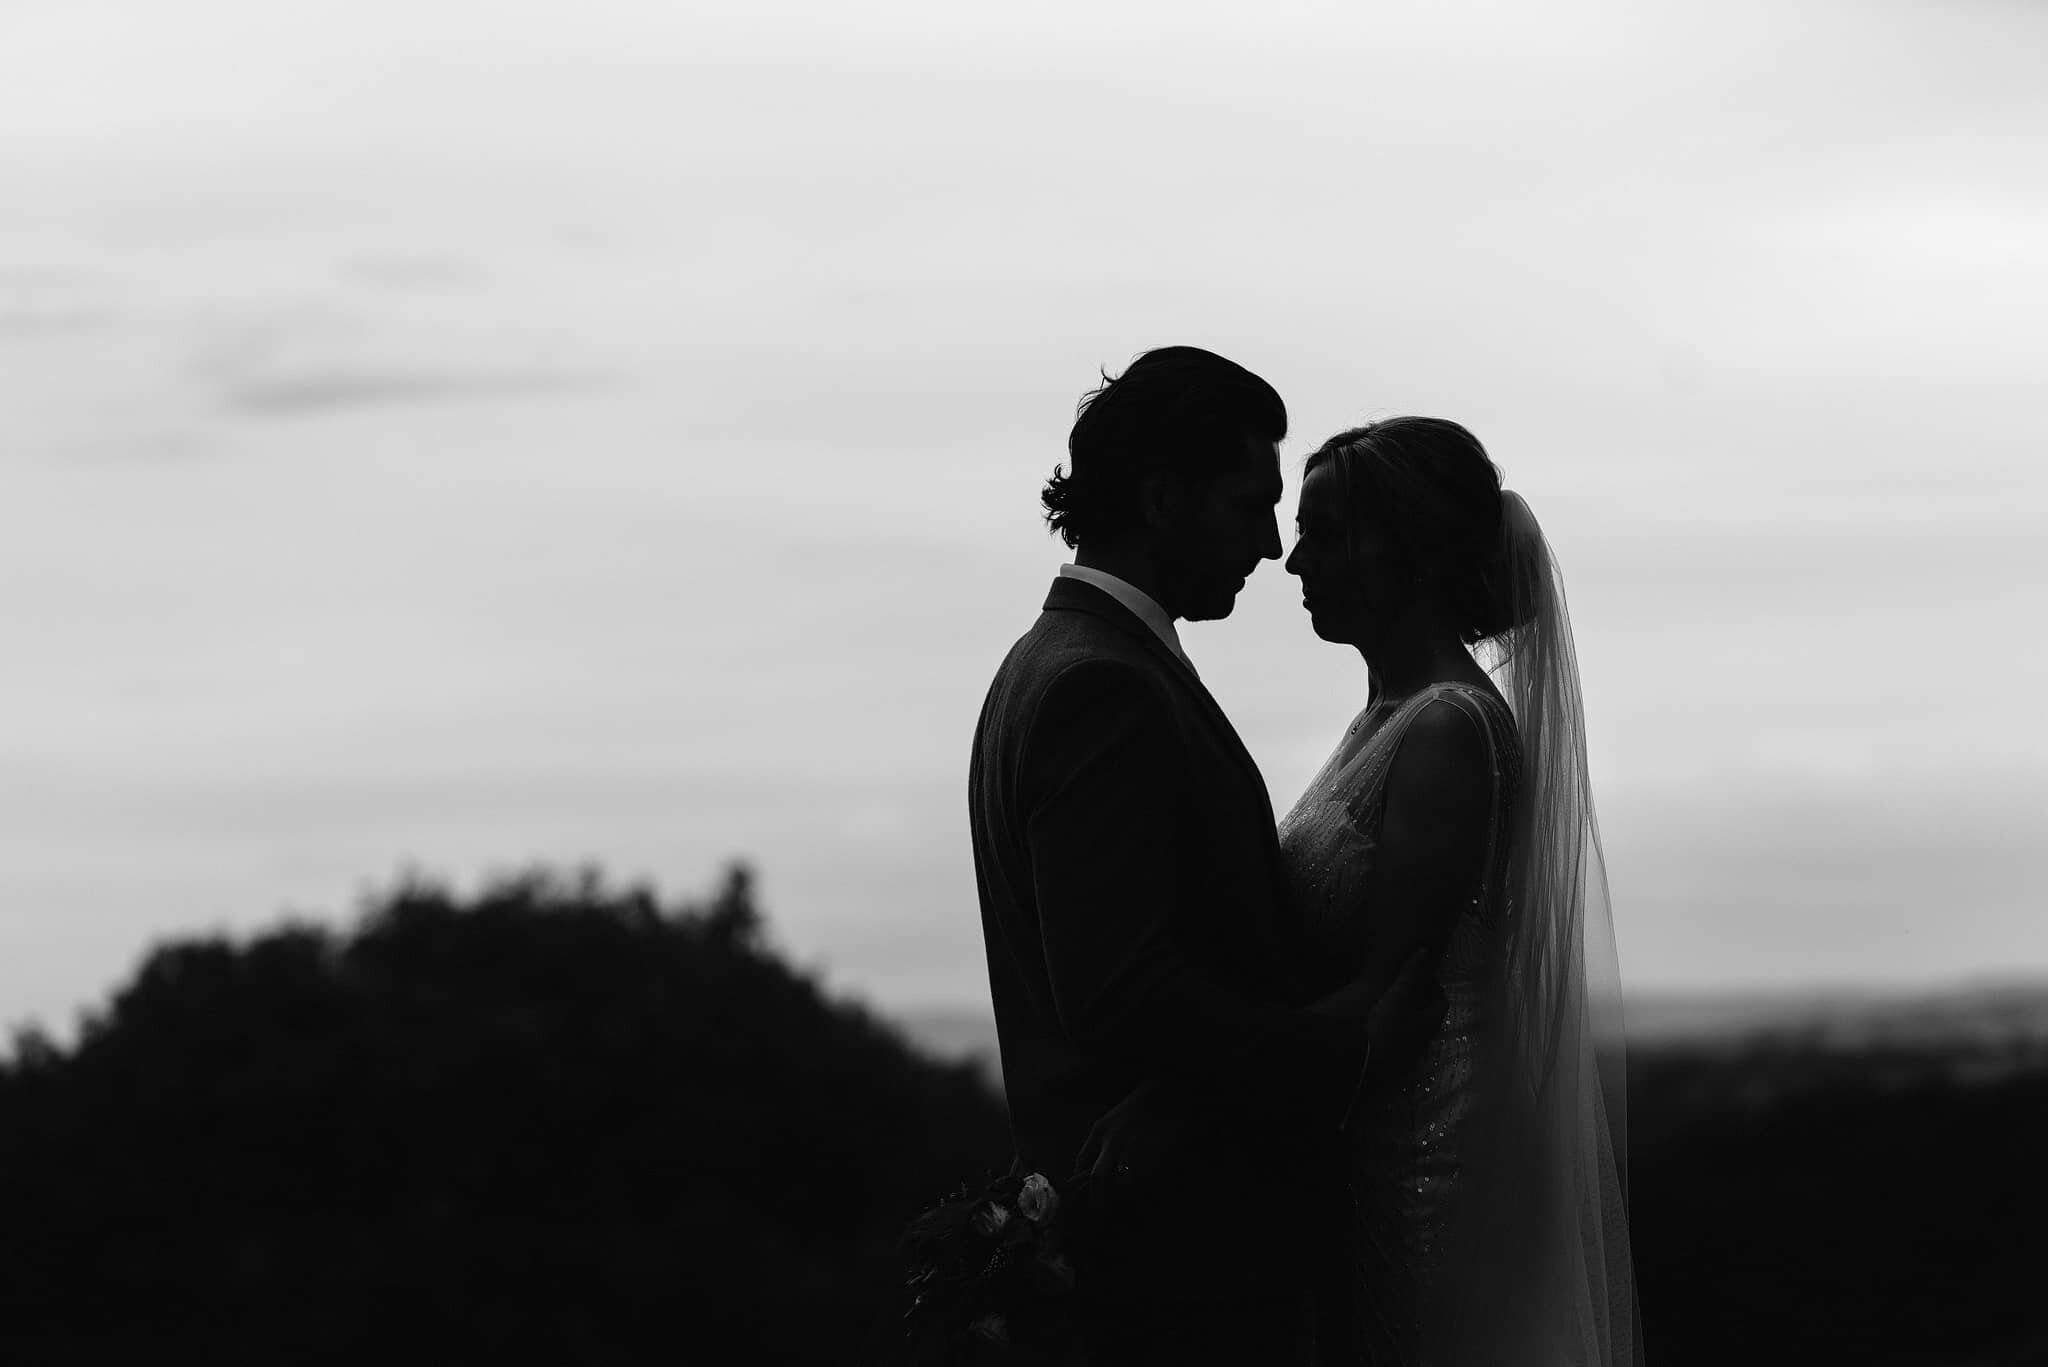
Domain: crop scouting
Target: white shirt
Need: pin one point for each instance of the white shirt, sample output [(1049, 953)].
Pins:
[(1139, 602)]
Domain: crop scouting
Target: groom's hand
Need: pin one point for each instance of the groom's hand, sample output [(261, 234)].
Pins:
[(1125, 1140), (1409, 1012)]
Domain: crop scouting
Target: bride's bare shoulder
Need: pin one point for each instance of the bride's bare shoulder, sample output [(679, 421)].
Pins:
[(1442, 767)]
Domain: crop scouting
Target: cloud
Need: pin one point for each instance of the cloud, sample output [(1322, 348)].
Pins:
[(49, 301), (313, 393), (57, 321), (404, 329), (427, 272)]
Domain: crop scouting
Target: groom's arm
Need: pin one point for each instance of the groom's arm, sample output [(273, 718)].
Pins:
[(1108, 793)]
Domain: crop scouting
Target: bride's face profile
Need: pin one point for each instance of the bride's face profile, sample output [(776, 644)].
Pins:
[(1351, 581)]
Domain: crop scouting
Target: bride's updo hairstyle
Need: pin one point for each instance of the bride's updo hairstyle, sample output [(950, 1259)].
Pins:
[(1429, 487)]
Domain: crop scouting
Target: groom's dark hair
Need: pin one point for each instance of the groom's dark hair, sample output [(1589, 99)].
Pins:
[(1177, 408)]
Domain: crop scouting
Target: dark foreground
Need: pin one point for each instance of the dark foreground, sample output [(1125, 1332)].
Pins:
[(565, 1123)]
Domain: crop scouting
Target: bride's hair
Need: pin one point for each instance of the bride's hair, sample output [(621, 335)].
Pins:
[(1430, 487)]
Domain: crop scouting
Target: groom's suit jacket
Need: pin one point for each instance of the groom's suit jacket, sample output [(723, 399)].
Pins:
[(1132, 898)]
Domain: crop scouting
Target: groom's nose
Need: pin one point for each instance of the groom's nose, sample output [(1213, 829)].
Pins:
[(1270, 549)]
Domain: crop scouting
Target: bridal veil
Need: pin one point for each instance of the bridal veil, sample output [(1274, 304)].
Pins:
[(1563, 1218)]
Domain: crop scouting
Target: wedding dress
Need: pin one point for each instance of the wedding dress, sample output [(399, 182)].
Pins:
[(1488, 1222)]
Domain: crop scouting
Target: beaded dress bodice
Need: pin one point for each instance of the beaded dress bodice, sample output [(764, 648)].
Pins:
[(1408, 1149)]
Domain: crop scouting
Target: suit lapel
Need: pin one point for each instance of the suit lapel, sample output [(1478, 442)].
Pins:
[(1074, 594), (1232, 740)]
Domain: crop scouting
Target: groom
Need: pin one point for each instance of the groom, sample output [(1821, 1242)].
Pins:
[(1132, 898)]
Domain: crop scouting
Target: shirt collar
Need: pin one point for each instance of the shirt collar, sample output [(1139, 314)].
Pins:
[(1141, 605)]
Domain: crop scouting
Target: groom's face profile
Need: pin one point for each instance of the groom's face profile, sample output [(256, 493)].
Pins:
[(1214, 534)]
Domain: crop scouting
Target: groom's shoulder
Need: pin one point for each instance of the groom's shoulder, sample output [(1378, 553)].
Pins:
[(1062, 641), (1077, 658)]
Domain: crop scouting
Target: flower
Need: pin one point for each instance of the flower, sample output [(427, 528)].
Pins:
[(986, 1276), (992, 1220), (1037, 1201)]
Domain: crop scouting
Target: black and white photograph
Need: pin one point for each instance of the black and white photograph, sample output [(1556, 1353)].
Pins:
[(1064, 685)]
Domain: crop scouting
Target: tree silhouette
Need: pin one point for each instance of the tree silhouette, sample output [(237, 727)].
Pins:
[(1793, 1201), (558, 1123)]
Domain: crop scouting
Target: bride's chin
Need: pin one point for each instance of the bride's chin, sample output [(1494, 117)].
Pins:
[(1328, 630)]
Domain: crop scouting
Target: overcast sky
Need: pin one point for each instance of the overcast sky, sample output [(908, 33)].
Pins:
[(454, 435)]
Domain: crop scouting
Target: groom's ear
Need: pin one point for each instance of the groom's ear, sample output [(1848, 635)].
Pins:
[(1162, 497)]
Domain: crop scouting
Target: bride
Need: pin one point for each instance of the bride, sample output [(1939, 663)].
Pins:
[(1488, 1222)]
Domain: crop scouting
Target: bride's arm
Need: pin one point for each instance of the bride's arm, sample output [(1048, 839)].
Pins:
[(1433, 838), (1433, 842)]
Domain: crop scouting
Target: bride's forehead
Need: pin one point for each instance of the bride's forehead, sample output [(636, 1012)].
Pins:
[(1322, 486)]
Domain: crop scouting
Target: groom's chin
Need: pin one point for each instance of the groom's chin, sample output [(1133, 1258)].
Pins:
[(1213, 609), (1216, 603)]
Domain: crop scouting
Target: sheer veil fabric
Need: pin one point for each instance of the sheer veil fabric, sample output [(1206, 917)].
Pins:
[(1562, 1217)]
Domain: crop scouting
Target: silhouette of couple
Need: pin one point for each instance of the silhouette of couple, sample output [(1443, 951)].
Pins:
[(1345, 1087)]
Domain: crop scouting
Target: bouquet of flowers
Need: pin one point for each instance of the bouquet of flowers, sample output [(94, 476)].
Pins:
[(988, 1279)]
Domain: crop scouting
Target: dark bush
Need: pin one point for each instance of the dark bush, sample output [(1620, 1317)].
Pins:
[(557, 1123)]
